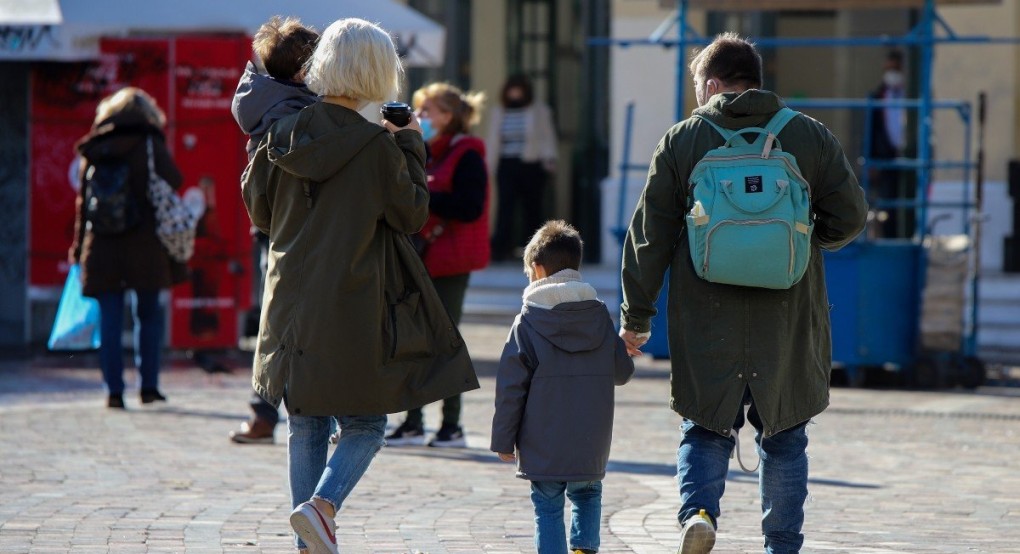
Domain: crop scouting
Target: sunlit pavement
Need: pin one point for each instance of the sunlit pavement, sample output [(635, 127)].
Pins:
[(891, 471)]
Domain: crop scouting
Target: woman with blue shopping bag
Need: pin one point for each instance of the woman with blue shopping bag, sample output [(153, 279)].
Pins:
[(115, 239)]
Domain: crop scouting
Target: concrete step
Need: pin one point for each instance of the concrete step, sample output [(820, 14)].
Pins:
[(497, 289)]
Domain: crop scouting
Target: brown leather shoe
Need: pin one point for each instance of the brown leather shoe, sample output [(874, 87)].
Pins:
[(256, 431)]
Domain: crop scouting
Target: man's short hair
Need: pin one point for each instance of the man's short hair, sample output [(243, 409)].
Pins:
[(284, 46), (555, 246), (355, 59), (730, 59)]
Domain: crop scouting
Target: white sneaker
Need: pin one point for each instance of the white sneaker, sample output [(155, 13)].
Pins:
[(316, 529), (697, 536)]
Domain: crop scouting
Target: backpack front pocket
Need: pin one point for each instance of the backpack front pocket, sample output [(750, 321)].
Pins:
[(767, 261)]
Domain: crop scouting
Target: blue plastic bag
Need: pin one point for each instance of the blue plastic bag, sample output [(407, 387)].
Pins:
[(76, 326)]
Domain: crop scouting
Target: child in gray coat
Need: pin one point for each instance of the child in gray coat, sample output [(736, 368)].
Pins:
[(554, 391)]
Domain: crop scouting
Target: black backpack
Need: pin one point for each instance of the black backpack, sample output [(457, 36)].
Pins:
[(110, 208)]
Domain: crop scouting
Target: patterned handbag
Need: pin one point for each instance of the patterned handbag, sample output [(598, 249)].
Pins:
[(175, 223)]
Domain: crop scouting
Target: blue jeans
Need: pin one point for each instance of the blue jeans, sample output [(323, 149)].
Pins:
[(703, 462), (311, 476), (148, 316), (585, 517)]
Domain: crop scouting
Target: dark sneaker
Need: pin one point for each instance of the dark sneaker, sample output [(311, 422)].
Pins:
[(449, 437), (316, 529), (697, 536), (152, 395), (115, 401), (406, 435), (256, 431)]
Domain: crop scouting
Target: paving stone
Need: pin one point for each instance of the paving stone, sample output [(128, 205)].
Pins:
[(891, 472)]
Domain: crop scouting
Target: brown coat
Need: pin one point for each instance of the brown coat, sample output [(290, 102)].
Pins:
[(134, 259), (351, 323)]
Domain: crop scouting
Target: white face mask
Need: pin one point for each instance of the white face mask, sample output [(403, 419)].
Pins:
[(893, 78)]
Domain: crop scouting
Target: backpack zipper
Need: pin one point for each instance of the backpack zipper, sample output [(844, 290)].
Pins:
[(794, 169), (708, 238)]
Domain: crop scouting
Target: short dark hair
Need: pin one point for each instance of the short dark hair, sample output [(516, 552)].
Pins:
[(284, 45), (730, 59), (522, 82), (555, 246)]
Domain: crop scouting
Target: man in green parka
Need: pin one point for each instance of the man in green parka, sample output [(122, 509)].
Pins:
[(733, 345)]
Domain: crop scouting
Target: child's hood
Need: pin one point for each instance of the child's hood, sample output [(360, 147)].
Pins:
[(566, 311), (258, 94)]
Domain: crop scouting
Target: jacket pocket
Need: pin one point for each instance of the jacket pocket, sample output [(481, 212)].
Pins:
[(407, 330)]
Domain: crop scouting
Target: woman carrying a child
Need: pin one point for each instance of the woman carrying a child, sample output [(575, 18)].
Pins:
[(349, 327)]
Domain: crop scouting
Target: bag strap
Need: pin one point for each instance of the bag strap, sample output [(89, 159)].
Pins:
[(151, 156), (779, 120), (727, 134)]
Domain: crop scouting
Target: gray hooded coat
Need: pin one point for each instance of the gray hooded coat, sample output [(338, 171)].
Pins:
[(260, 100), (555, 384)]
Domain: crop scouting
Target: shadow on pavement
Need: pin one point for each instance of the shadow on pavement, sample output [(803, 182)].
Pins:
[(669, 470)]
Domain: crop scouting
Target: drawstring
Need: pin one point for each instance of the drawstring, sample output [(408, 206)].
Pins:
[(736, 439), (736, 452)]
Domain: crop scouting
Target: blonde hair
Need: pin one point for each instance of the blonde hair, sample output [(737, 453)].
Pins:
[(466, 108), (130, 99), (355, 59)]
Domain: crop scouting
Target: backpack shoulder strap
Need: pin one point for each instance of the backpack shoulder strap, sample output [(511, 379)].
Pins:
[(727, 134), (780, 119)]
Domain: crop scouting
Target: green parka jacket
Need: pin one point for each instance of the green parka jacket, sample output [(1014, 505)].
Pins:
[(350, 324), (725, 339)]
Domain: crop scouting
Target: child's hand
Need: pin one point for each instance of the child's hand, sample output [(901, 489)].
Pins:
[(507, 457)]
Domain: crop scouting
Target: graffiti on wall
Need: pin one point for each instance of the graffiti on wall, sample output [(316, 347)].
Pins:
[(27, 38)]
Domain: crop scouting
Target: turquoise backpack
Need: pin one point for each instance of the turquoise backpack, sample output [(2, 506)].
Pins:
[(749, 222)]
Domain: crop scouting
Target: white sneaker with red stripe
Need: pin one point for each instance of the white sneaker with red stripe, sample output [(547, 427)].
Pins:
[(317, 530)]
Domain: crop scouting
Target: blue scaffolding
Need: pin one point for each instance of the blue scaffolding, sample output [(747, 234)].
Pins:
[(859, 345)]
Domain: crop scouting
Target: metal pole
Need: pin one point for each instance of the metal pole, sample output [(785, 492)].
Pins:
[(628, 126), (979, 185), (681, 55), (924, 119)]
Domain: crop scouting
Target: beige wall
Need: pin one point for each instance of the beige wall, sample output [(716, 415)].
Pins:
[(962, 71), (488, 56)]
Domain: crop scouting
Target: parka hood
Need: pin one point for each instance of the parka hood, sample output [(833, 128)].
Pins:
[(735, 110), (116, 136), (302, 146), (258, 94), (566, 312)]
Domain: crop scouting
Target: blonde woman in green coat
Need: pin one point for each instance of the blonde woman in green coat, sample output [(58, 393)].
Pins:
[(350, 322)]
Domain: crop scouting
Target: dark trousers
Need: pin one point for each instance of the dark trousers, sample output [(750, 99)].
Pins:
[(521, 186), (451, 292), (148, 316), (263, 410)]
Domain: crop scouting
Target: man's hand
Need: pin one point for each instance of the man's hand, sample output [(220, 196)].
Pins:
[(507, 457), (634, 340)]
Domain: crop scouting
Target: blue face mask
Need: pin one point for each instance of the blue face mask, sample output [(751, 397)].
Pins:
[(428, 132)]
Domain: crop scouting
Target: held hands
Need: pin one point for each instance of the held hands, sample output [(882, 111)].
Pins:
[(507, 457), (413, 125), (634, 341)]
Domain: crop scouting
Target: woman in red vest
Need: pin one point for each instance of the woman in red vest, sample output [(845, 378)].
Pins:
[(455, 240)]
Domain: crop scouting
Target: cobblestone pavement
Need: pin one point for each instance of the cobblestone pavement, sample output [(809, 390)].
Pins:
[(891, 471)]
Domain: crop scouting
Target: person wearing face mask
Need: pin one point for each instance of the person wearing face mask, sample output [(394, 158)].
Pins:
[(522, 150), (889, 141), (455, 240)]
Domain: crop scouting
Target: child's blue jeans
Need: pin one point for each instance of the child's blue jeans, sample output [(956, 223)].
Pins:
[(586, 515)]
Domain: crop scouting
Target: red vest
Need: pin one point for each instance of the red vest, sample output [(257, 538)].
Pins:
[(463, 246)]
